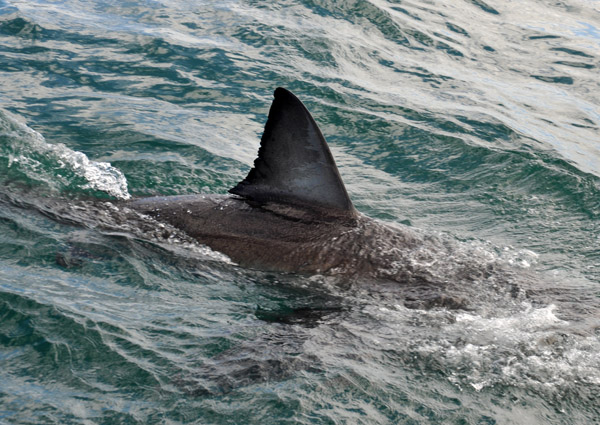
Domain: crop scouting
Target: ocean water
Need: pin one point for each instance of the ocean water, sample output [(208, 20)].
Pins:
[(473, 122)]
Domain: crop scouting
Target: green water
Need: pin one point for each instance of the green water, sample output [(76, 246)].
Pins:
[(477, 123)]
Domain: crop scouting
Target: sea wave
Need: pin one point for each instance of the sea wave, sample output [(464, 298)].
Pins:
[(27, 153)]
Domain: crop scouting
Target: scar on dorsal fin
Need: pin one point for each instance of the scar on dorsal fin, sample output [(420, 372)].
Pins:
[(294, 165)]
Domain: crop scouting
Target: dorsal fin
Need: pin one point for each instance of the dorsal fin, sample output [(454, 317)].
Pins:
[(294, 165)]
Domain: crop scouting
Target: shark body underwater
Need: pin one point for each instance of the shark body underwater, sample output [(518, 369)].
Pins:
[(292, 213)]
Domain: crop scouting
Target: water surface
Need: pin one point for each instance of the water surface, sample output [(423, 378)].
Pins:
[(476, 123)]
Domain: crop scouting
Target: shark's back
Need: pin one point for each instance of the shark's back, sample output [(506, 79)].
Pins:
[(269, 237)]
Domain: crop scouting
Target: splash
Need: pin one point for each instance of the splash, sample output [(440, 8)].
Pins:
[(56, 165)]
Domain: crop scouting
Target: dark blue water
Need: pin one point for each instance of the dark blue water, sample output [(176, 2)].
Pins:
[(474, 123)]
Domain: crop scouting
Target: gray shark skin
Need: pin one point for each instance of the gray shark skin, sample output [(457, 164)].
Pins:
[(277, 237), (292, 214)]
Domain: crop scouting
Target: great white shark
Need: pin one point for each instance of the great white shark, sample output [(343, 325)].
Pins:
[(292, 213)]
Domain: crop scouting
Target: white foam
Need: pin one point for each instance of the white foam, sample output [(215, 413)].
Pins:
[(522, 345), (27, 143)]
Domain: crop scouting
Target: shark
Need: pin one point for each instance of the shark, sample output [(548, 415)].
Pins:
[(292, 213)]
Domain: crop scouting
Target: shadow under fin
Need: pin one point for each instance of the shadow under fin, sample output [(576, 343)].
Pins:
[(294, 165)]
